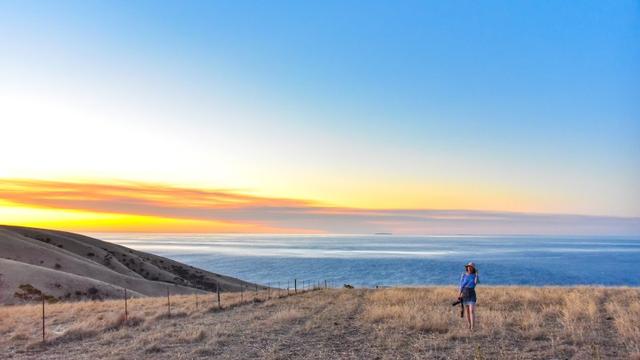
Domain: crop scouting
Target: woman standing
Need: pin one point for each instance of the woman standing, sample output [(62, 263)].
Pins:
[(468, 282)]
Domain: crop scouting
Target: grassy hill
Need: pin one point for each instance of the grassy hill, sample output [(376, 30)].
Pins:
[(402, 323), (68, 266)]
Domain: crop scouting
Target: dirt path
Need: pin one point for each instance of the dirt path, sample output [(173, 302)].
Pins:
[(309, 326), (349, 338), (333, 333), (279, 334)]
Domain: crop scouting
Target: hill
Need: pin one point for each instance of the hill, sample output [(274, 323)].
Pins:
[(396, 323), (68, 266)]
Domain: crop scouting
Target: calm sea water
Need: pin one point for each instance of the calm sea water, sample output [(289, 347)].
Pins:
[(402, 260)]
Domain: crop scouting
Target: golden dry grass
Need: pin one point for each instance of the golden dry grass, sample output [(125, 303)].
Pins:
[(512, 323)]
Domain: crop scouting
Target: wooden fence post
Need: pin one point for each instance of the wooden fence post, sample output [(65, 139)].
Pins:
[(126, 310), (168, 303), (218, 293), (196, 301), (241, 293), (295, 286), (42, 317)]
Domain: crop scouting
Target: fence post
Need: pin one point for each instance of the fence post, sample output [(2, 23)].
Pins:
[(196, 301), (279, 290), (126, 310), (325, 284), (269, 291), (42, 317), (241, 293), (295, 286), (218, 293), (168, 303)]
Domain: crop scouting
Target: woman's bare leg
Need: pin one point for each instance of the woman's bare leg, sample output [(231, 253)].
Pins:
[(471, 312), (468, 314)]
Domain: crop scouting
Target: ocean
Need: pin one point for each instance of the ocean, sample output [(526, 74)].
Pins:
[(390, 260)]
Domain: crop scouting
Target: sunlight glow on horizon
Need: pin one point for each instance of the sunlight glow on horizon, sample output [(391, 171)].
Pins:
[(145, 207), (389, 115)]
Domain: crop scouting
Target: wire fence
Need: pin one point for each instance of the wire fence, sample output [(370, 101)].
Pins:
[(219, 299)]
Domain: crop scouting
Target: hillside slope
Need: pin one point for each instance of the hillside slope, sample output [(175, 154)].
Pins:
[(71, 266)]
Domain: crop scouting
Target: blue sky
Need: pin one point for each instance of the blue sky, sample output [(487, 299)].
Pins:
[(496, 105)]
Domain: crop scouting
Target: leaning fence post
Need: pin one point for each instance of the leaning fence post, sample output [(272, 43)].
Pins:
[(42, 317), (168, 303), (126, 310)]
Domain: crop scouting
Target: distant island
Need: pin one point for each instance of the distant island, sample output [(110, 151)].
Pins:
[(383, 233)]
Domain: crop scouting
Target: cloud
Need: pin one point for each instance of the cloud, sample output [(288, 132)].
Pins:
[(224, 205)]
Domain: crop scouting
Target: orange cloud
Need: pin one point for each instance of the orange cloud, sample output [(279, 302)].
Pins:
[(135, 206)]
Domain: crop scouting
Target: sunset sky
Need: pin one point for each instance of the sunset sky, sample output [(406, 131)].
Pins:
[(490, 117)]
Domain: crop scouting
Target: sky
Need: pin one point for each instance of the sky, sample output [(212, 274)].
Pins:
[(418, 117)]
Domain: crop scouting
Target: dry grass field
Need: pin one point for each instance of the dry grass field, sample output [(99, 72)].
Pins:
[(405, 323)]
